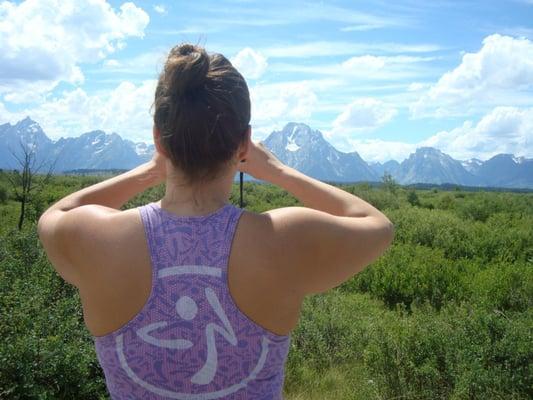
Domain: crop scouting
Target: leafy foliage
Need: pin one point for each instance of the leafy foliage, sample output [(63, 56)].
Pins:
[(445, 313), (412, 198), (4, 194)]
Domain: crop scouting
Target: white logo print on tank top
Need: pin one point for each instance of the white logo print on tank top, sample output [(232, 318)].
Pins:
[(187, 309)]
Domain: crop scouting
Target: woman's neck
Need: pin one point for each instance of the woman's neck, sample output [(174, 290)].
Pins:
[(201, 199)]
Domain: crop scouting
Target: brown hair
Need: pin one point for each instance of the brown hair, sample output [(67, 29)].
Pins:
[(202, 110)]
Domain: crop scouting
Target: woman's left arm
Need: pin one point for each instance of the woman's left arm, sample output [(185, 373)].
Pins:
[(81, 218), (116, 191)]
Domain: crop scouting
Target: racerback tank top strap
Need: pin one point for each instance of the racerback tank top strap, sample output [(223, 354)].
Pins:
[(190, 340)]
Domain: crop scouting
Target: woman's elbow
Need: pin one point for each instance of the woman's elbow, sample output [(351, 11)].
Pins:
[(388, 232), (391, 232)]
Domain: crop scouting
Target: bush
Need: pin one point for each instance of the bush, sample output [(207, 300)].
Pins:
[(333, 329), (483, 205), (505, 237), (411, 274), (379, 198), (4, 195), (436, 229), (504, 286), (412, 198), (45, 351), (446, 202), (459, 353)]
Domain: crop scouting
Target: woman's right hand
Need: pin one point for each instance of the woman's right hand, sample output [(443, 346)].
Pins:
[(260, 162)]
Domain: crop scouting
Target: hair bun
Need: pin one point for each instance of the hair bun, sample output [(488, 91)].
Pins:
[(186, 68)]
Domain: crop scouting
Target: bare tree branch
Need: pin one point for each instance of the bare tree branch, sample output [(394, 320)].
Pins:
[(21, 163), (48, 175), (25, 183)]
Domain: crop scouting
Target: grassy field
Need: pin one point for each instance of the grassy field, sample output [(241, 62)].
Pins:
[(445, 313)]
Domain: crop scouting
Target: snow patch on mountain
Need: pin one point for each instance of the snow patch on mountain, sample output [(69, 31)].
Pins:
[(291, 145), (519, 160)]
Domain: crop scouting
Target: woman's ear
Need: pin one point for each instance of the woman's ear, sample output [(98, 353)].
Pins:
[(157, 141)]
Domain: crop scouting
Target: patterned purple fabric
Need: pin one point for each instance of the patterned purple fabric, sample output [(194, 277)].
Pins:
[(190, 341)]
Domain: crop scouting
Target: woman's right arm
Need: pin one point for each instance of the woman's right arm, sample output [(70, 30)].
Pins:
[(329, 240)]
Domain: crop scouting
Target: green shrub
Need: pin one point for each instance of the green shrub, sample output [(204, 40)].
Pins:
[(446, 202), (45, 351), (379, 198), (481, 206), (333, 329), (459, 353), (504, 286), (4, 194), (435, 228), (412, 198), (505, 237), (410, 274)]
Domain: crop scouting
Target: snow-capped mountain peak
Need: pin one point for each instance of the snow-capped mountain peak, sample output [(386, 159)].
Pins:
[(305, 149), (430, 165)]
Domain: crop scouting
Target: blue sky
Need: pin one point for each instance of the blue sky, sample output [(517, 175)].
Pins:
[(377, 77)]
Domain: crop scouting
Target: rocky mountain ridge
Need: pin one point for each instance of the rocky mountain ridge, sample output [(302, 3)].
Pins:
[(297, 145)]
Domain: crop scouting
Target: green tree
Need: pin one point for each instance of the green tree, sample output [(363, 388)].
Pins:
[(3, 195), (389, 183), (412, 198)]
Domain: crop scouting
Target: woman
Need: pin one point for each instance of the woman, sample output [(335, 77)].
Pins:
[(191, 297)]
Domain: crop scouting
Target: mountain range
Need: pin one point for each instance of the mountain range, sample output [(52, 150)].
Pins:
[(91, 150), (296, 145)]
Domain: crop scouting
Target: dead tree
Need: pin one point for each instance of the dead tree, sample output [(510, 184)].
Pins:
[(24, 182)]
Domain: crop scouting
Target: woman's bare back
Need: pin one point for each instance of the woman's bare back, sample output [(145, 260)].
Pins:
[(124, 275)]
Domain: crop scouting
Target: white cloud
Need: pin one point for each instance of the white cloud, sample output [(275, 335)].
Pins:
[(364, 62), (417, 86), (373, 150), (148, 63), (362, 115), (518, 31), (494, 76), (339, 48), (112, 63), (7, 116), (250, 63), (160, 9), (225, 15), (282, 102), (361, 27), (362, 69), (45, 41), (124, 110), (376, 62), (503, 130), (261, 132), (396, 68), (26, 92)]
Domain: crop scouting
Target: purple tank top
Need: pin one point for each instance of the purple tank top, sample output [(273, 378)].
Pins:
[(190, 340)]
